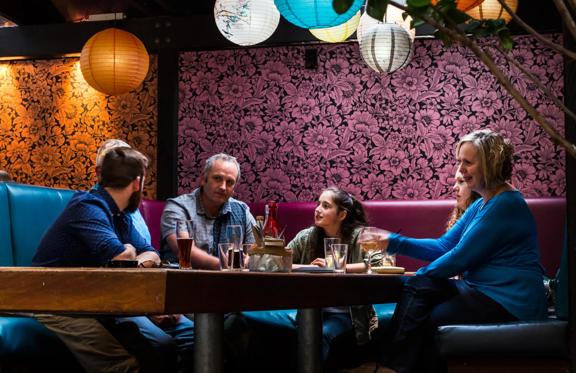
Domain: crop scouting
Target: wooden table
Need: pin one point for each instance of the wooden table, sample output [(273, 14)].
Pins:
[(209, 294)]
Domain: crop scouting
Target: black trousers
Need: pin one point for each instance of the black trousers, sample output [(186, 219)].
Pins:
[(425, 304)]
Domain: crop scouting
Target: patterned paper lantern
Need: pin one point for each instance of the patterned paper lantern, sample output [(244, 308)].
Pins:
[(464, 5), (246, 22), (386, 47), (338, 33), (315, 13), (114, 61), (393, 15), (491, 9)]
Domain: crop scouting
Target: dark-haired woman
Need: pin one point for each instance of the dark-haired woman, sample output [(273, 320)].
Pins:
[(338, 214)]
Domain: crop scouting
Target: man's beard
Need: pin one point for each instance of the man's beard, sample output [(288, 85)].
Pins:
[(134, 202)]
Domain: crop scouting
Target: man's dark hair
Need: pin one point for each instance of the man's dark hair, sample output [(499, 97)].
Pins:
[(121, 166)]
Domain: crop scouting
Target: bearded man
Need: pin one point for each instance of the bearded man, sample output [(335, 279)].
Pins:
[(93, 229)]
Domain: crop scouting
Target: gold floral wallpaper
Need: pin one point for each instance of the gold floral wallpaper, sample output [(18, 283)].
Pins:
[(52, 122)]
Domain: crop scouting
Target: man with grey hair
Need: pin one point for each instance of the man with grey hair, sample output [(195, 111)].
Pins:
[(136, 216), (212, 209)]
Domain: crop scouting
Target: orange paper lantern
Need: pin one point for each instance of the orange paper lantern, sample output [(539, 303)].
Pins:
[(464, 5), (114, 61), (491, 9)]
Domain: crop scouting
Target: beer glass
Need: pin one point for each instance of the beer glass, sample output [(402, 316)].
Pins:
[(185, 239)]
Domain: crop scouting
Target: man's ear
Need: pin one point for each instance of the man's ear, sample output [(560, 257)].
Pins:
[(136, 184)]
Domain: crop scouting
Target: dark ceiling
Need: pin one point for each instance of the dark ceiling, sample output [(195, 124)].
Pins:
[(54, 27), (59, 11), (540, 14)]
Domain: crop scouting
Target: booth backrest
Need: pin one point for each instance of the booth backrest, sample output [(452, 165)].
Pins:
[(31, 210), (427, 218), (26, 212), (152, 212), (6, 258)]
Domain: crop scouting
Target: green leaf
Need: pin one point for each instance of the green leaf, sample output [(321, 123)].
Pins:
[(417, 22), (342, 6), (418, 3), (506, 40), (377, 8)]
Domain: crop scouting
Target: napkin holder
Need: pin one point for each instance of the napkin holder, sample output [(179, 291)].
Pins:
[(270, 255)]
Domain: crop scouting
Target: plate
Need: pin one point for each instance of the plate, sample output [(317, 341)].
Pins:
[(388, 269), (310, 268)]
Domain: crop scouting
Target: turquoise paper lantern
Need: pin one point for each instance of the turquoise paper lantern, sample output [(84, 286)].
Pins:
[(315, 13)]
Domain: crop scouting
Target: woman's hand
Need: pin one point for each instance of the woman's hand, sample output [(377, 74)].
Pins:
[(320, 262), (372, 239)]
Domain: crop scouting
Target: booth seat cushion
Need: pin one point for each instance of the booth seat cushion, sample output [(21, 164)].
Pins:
[(33, 209), (24, 337), (547, 338)]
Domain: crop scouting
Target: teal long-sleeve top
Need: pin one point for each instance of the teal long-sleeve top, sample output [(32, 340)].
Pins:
[(495, 246)]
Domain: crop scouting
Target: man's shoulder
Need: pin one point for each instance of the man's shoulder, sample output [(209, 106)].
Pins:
[(237, 202), (86, 203), (184, 199)]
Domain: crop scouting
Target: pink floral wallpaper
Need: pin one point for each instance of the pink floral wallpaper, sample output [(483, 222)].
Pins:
[(296, 131)]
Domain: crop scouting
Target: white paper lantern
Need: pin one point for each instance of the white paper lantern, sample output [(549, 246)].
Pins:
[(338, 33), (491, 9), (386, 47), (393, 15), (246, 22)]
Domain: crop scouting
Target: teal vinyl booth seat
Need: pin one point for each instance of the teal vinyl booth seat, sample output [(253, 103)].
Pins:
[(26, 212)]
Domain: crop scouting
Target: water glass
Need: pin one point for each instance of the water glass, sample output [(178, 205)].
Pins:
[(328, 242), (339, 257)]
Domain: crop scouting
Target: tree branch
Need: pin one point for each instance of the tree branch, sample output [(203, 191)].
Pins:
[(536, 34), (566, 17), (536, 81), (459, 36)]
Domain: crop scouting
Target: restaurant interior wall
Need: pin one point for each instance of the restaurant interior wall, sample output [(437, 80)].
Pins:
[(52, 122), (297, 130)]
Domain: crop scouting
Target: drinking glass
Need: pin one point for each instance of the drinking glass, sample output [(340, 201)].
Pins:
[(328, 242), (227, 256), (185, 240), (370, 241), (235, 235), (339, 256)]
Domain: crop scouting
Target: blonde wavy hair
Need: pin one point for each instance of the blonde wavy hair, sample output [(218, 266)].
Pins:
[(495, 153)]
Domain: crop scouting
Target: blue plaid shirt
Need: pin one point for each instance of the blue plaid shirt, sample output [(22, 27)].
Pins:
[(208, 232), (90, 231)]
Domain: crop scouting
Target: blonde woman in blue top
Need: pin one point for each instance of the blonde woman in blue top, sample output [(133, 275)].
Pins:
[(494, 245)]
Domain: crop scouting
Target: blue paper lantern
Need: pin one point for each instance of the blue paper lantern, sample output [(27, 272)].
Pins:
[(315, 13)]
